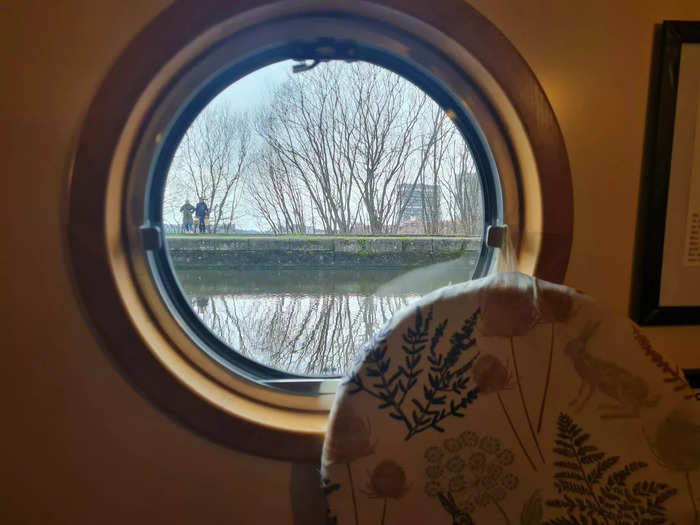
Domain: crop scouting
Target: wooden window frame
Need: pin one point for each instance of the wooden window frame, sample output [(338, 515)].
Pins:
[(506, 100)]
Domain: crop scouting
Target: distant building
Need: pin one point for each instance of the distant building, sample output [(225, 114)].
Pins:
[(416, 201)]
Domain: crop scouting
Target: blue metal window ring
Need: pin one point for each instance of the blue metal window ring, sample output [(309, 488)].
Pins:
[(313, 50)]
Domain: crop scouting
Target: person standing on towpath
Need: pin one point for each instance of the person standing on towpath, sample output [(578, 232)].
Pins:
[(186, 210), (202, 213)]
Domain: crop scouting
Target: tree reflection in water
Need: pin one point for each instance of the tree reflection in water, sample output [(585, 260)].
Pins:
[(308, 335), (307, 322)]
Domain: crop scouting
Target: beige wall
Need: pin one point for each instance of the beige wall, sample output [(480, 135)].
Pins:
[(593, 61), (79, 444)]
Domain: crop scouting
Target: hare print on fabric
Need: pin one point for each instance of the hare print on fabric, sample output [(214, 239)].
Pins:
[(630, 392)]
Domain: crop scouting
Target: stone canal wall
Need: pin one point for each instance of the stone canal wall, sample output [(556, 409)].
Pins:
[(318, 252)]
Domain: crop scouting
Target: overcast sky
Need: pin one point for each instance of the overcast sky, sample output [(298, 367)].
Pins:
[(255, 88)]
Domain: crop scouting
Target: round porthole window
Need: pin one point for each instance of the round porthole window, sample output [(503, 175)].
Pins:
[(309, 200), (277, 184)]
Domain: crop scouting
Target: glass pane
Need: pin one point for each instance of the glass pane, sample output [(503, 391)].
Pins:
[(303, 210)]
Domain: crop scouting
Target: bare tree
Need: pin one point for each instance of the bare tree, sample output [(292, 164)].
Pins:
[(352, 136), (463, 190), (344, 146), (277, 194), (209, 163), (447, 178), (388, 111), (309, 130), (438, 134)]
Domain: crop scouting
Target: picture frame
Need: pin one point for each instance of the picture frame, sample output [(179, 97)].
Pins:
[(666, 277)]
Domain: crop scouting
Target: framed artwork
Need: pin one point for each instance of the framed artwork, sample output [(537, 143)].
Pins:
[(666, 283)]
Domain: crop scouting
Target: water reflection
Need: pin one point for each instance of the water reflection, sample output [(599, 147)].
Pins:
[(310, 322)]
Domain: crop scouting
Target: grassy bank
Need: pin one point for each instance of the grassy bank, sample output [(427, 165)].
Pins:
[(311, 238)]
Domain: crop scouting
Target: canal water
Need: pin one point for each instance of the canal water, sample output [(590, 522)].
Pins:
[(308, 321)]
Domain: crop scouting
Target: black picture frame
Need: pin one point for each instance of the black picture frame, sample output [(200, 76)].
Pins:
[(651, 226)]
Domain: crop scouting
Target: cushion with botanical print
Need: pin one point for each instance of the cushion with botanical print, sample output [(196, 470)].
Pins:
[(512, 400)]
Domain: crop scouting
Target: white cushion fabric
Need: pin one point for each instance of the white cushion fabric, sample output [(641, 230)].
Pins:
[(512, 400)]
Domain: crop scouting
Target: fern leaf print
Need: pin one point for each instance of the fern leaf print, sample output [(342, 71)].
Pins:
[(446, 387), (594, 488)]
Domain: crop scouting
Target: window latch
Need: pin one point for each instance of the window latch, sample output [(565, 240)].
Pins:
[(322, 50)]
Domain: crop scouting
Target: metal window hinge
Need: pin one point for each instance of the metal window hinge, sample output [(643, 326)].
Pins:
[(496, 236), (151, 237)]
